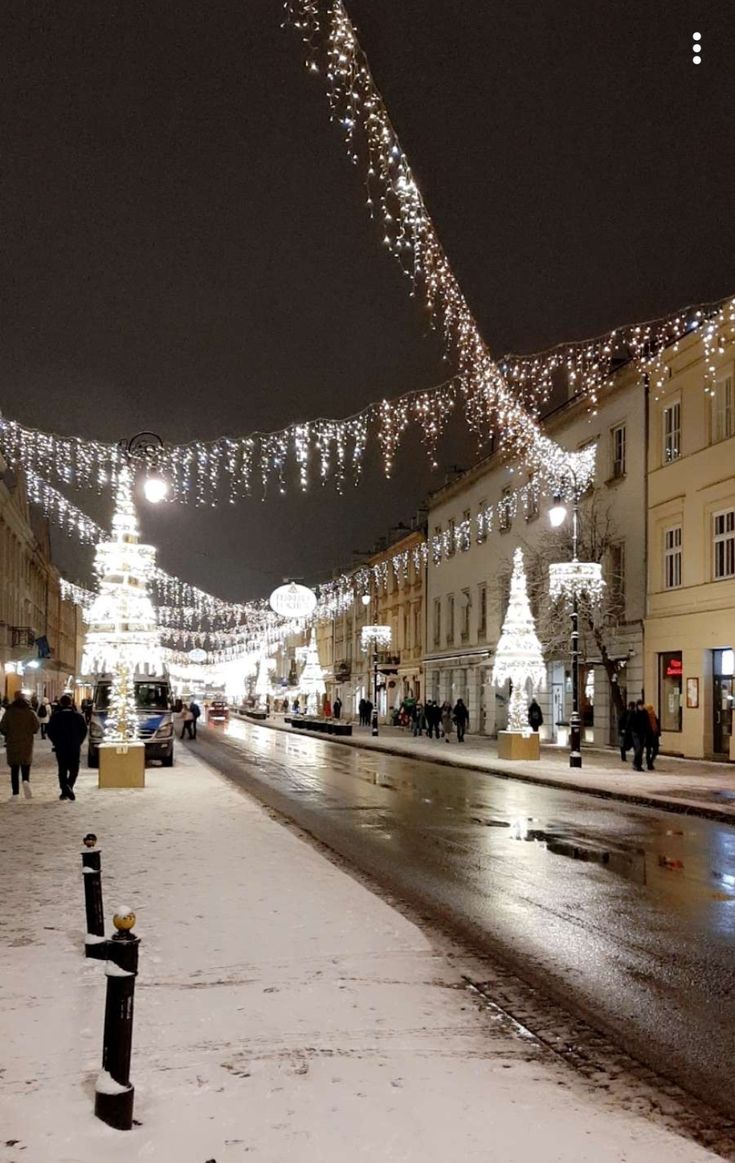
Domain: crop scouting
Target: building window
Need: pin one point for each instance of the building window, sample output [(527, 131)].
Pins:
[(672, 432), (481, 523), (450, 619), (723, 409), (672, 557), (437, 621), (617, 440), (451, 538), (417, 627), (724, 544), (531, 499), (482, 615), (436, 545), (465, 531), (464, 626), (504, 515), (669, 691), (617, 576)]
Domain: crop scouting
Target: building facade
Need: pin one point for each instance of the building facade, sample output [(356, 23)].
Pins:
[(690, 627), (41, 634), (480, 518)]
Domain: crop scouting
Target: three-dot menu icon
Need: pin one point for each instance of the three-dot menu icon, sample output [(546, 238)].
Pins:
[(696, 48)]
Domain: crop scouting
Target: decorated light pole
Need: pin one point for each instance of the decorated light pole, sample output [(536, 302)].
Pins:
[(570, 580), (374, 638)]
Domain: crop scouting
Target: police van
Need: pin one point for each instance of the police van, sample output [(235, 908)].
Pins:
[(155, 718)]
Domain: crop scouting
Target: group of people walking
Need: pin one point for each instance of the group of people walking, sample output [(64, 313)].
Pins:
[(64, 726), (439, 721), (639, 729)]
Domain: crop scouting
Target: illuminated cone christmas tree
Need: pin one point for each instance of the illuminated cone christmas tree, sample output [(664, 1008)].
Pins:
[(263, 681), (518, 656), (123, 636), (311, 681)]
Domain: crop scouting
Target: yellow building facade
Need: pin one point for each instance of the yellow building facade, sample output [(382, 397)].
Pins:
[(690, 622)]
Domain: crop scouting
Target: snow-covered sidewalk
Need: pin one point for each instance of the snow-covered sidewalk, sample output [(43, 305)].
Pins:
[(283, 1011)]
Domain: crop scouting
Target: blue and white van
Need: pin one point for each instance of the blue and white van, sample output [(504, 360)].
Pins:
[(155, 718)]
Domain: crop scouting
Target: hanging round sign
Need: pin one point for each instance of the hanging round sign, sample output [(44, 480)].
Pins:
[(293, 601), (198, 655)]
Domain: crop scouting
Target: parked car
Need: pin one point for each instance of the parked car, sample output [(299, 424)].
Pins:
[(218, 712)]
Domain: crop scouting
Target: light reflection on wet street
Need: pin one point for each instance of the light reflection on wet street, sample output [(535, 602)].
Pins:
[(627, 913)]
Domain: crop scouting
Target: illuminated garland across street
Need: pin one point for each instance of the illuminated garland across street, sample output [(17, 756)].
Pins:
[(189, 468)]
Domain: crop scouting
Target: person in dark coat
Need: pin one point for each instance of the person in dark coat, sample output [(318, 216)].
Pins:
[(625, 736), (337, 708), (653, 737), (535, 715), (368, 712), (19, 724), (461, 717), (67, 730), (361, 712), (640, 730)]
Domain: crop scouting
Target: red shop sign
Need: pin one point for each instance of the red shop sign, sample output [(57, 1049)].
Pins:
[(674, 669)]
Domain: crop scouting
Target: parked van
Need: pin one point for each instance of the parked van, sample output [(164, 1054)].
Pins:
[(155, 718)]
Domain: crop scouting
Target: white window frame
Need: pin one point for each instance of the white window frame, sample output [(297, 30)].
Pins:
[(723, 545), (505, 519), (482, 610), (672, 557), (437, 621), (723, 408), (618, 449), (450, 619), (671, 431), (482, 524), (464, 625)]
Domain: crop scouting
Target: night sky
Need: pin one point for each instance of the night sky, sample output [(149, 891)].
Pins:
[(185, 246)]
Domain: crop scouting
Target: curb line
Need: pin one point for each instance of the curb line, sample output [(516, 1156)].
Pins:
[(677, 808)]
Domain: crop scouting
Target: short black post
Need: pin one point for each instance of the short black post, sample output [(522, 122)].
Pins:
[(114, 1093), (94, 942)]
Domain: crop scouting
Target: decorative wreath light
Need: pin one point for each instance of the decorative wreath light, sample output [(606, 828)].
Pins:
[(377, 636), (570, 579)]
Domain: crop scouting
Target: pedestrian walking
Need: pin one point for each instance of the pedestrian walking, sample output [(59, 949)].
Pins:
[(640, 730), (418, 719), (67, 731), (337, 708), (368, 712), (535, 715), (361, 712), (461, 717), (196, 711), (19, 724), (653, 737), (326, 707), (188, 722), (44, 714), (431, 718), (625, 736), (446, 719)]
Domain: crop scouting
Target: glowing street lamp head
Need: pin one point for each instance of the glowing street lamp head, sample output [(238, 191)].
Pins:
[(557, 513), (155, 490), (365, 599)]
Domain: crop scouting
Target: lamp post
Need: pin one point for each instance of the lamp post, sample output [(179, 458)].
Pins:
[(570, 579), (145, 447), (372, 637), (557, 516)]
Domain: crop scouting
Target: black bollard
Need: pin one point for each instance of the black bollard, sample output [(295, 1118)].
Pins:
[(94, 942), (114, 1093)]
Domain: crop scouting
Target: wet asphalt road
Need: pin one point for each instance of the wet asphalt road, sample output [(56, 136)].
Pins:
[(643, 946)]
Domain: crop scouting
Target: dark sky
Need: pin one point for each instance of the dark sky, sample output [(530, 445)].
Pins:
[(184, 246)]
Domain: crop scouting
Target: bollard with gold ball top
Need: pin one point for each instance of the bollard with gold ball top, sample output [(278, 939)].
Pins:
[(114, 1092)]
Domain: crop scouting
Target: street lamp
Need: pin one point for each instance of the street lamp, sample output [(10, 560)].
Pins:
[(571, 579), (373, 638), (146, 447)]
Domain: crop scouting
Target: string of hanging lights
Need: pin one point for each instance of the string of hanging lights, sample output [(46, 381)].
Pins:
[(226, 470)]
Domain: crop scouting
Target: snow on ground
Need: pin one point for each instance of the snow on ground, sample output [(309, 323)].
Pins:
[(283, 1012)]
